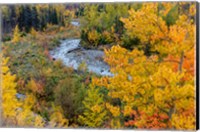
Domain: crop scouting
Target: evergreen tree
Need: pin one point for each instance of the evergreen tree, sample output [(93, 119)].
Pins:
[(21, 17), (42, 23), (34, 17), (54, 17), (27, 18), (94, 114), (12, 16)]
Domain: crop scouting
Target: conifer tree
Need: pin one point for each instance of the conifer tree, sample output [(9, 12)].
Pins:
[(28, 18), (95, 113), (34, 17), (16, 35)]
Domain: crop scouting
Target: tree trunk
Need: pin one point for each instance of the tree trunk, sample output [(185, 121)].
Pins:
[(181, 62)]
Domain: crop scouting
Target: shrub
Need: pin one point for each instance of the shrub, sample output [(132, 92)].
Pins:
[(69, 95), (93, 37)]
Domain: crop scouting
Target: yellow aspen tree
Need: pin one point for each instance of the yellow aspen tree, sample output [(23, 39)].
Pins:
[(10, 104), (148, 25), (16, 112), (16, 35), (144, 84), (158, 87)]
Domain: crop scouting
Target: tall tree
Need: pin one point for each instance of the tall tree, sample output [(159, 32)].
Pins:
[(27, 18), (21, 18), (95, 114), (158, 88), (10, 103), (13, 15), (34, 17), (16, 112)]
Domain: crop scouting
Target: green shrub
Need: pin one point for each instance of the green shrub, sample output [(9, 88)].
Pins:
[(69, 94)]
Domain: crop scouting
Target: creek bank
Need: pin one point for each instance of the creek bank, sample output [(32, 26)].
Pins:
[(73, 55)]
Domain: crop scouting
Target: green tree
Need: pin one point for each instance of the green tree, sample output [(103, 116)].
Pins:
[(69, 95), (34, 17), (94, 114), (27, 18)]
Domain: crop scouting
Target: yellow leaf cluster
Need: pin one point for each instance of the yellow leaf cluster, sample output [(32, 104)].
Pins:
[(33, 32), (94, 114), (146, 84), (113, 109), (107, 36), (57, 119), (152, 29), (16, 35), (93, 37), (17, 112), (26, 117), (182, 122), (10, 103)]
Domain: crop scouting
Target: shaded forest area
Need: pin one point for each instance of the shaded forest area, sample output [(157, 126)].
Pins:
[(149, 48), (37, 17)]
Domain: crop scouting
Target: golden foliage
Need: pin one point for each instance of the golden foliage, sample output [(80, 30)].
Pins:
[(26, 117), (36, 86), (93, 37), (57, 119), (150, 86), (152, 29), (10, 103), (94, 114), (160, 86), (113, 109), (33, 32), (17, 112), (16, 35)]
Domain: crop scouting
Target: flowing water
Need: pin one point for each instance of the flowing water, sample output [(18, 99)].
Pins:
[(72, 55)]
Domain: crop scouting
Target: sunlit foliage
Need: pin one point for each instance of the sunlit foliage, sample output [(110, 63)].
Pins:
[(94, 114), (149, 48), (16, 35), (158, 88)]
